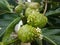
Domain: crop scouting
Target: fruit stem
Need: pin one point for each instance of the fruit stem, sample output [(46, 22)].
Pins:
[(25, 43), (40, 42), (45, 7)]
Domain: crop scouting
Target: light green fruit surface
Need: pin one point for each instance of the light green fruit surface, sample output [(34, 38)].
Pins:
[(37, 20), (19, 8), (30, 11), (28, 33), (34, 5)]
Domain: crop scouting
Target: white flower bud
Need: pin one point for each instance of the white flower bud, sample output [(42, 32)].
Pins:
[(28, 0), (41, 36), (38, 29), (17, 27), (0, 28)]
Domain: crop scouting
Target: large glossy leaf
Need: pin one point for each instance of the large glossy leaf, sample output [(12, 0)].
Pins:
[(56, 0), (7, 38), (4, 7), (54, 21), (36, 0), (53, 12), (12, 2), (5, 20), (52, 35)]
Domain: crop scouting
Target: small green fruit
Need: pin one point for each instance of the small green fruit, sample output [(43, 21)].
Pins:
[(34, 5), (19, 8), (28, 33), (30, 11), (37, 20)]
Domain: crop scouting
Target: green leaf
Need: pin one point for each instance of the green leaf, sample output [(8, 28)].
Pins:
[(50, 40), (36, 0), (54, 21), (56, 0), (56, 39), (5, 20), (54, 12), (52, 35), (4, 7), (12, 2), (7, 38)]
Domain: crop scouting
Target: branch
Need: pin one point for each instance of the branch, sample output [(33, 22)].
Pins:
[(45, 7), (25, 43)]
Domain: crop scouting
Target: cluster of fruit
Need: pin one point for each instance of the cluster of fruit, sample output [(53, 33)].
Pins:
[(29, 31)]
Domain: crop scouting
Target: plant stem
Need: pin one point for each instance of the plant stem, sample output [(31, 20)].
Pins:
[(45, 7), (40, 42), (25, 43)]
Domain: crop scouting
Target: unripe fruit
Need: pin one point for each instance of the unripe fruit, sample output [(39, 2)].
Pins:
[(37, 20), (28, 33), (30, 11), (34, 5), (19, 8)]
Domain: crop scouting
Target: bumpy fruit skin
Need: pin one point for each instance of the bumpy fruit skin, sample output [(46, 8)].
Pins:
[(28, 33), (19, 8), (37, 20), (33, 6), (29, 11)]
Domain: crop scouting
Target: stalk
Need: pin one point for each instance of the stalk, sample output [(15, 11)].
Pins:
[(25, 43), (45, 7), (40, 42)]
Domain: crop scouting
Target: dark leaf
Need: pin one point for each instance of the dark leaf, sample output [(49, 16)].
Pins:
[(51, 35), (5, 20), (54, 12), (54, 21), (4, 7), (7, 38)]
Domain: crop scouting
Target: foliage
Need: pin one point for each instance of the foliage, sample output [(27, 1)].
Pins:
[(9, 18)]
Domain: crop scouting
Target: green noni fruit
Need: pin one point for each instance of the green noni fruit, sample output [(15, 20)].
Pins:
[(27, 33), (33, 6), (19, 8), (37, 20), (29, 11)]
